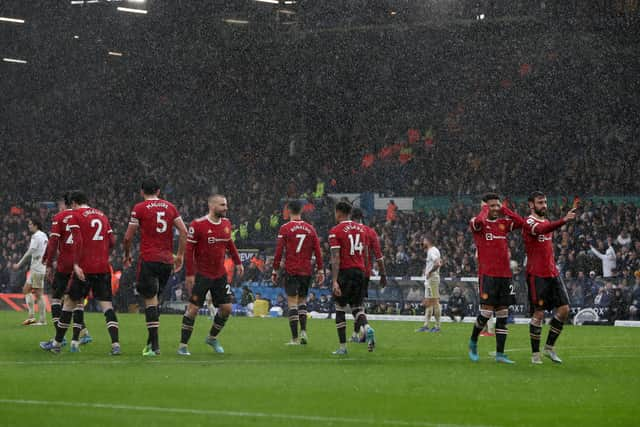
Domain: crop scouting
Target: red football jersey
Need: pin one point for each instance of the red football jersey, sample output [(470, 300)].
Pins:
[(207, 244), (490, 237), (60, 229), (299, 241), (95, 239), (351, 238), (155, 217), (538, 242), (375, 252)]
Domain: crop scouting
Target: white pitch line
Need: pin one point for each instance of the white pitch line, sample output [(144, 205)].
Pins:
[(237, 414)]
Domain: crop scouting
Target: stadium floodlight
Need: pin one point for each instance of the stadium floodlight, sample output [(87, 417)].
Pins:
[(236, 21), (136, 1), (14, 20), (16, 61), (77, 1), (130, 10), (290, 2), (92, 1), (268, 1), (76, 37), (286, 12), (112, 53)]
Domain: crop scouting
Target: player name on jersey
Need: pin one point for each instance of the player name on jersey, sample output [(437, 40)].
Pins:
[(155, 217), (351, 238), (299, 242)]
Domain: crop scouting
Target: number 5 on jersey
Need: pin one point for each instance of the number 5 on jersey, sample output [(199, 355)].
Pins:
[(162, 223)]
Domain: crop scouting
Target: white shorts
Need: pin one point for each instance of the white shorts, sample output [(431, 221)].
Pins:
[(432, 287), (36, 280)]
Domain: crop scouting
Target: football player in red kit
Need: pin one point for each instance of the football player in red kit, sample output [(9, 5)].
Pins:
[(208, 241), (546, 290)]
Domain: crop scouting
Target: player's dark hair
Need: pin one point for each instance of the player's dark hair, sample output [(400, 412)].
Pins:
[(357, 214), (533, 196), (295, 207), (65, 197), (37, 222), (150, 186), (78, 197), (344, 207), (428, 237), (490, 196)]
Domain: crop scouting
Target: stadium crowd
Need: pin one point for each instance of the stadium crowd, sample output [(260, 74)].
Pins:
[(597, 256), (481, 126)]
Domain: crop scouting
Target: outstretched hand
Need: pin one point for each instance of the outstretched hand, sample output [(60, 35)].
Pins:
[(571, 215)]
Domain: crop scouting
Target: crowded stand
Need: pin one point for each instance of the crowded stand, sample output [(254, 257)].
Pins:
[(468, 124)]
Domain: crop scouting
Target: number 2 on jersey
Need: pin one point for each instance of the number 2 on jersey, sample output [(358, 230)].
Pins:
[(356, 244), (97, 224)]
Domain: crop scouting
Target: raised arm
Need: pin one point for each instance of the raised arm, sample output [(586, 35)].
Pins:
[(537, 228), (598, 253), (518, 221), (477, 221)]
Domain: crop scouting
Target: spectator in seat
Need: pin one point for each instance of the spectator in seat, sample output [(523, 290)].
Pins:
[(457, 305)]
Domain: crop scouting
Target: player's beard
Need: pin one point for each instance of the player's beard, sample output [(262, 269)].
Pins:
[(541, 213), (220, 214)]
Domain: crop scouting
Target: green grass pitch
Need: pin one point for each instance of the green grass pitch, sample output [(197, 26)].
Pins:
[(410, 380)]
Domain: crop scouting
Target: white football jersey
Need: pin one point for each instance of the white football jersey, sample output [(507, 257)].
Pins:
[(433, 255), (38, 246)]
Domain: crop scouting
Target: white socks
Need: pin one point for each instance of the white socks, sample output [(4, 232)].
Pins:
[(42, 308), (29, 300), (437, 312), (427, 315)]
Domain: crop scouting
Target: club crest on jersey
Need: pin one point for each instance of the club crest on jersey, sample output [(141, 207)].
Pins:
[(502, 227), (209, 232), (226, 230)]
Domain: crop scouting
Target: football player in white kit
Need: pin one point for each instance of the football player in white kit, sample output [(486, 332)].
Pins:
[(431, 286), (34, 287)]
